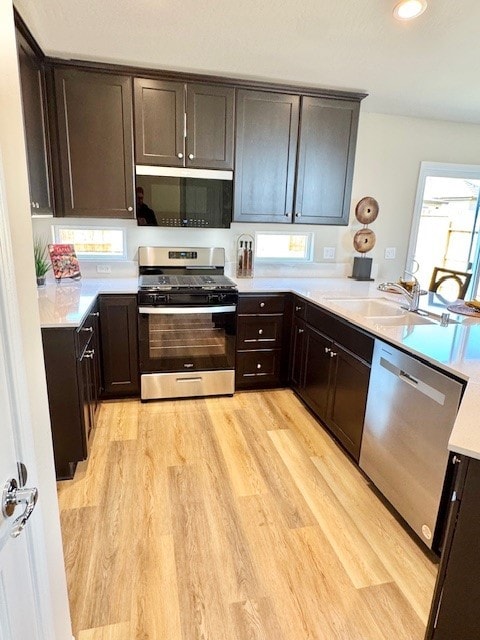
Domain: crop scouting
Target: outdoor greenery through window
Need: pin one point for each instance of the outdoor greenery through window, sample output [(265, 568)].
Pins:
[(296, 247), (93, 243)]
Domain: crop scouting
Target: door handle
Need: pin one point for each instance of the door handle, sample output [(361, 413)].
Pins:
[(11, 498)]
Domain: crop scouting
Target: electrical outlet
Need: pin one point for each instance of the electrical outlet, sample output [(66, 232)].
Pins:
[(104, 268), (328, 253), (390, 253)]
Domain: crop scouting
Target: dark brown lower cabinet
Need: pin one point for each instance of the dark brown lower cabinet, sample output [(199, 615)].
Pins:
[(456, 601), (119, 345), (330, 370), (72, 369), (262, 342)]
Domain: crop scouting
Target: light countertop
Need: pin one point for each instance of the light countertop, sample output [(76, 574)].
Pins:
[(454, 348)]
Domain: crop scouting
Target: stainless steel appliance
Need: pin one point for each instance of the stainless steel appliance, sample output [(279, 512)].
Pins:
[(176, 197), (186, 322), (410, 412)]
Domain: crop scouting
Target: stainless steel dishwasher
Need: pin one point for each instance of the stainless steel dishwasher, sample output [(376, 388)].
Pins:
[(410, 412)]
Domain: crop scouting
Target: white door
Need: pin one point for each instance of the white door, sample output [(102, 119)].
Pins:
[(26, 606), (17, 603)]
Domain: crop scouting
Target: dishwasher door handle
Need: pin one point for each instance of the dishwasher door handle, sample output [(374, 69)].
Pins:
[(406, 377)]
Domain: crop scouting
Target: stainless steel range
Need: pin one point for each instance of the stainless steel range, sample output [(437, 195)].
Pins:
[(186, 322)]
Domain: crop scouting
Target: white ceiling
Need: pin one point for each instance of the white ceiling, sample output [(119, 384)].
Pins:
[(427, 68)]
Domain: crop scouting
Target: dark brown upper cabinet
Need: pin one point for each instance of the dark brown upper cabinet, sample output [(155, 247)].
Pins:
[(326, 153), (183, 125), (32, 80), (265, 149), (277, 182), (95, 144)]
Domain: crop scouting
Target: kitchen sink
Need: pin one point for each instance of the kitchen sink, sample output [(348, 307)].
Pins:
[(370, 308), (384, 312)]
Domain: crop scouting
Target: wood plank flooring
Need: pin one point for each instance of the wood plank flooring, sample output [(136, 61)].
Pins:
[(233, 519)]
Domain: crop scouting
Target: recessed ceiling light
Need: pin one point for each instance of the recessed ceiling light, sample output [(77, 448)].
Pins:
[(409, 9)]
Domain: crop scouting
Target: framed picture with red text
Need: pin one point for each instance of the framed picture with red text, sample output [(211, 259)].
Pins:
[(64, 261)]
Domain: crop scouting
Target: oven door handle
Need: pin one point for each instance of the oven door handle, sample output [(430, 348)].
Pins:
[(176, 310)]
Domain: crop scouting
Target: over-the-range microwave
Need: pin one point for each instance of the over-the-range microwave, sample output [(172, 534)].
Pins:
[(177, 197)]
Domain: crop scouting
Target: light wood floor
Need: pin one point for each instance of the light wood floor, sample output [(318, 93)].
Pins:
[(233, 519)]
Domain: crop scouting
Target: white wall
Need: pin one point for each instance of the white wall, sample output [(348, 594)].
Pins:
[(45, 521), (389, 152)]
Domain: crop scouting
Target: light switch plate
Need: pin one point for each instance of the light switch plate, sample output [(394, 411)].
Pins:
[(104, 268), (390, 253)]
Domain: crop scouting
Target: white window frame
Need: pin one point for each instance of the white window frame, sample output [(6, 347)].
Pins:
[(96, 257), (308, 258)]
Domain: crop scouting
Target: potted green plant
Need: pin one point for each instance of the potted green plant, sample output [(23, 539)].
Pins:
[(42, 260)]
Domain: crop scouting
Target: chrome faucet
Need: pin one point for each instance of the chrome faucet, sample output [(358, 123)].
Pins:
[(413, 297)]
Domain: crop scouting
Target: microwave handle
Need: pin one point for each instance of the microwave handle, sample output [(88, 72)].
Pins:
[(186, 310)]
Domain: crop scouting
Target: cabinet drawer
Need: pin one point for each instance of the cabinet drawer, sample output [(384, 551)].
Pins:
[(269, 303), (257, 368), (259, 332)]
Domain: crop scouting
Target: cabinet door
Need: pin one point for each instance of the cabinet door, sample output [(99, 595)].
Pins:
[(65, 394), (348, 399), (317, 371), (118, 330), (32, 78), (297, 353), (325, 160), (94, 114), (85, 390), (159, 122), (265, 149), (209, 127)]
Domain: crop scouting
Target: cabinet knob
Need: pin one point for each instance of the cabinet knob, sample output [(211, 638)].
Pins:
[(262, 304), (260, 331), (327, 349), (89, 354), (456, 460), (297, 215), (88, 329), (298, 308), (259, 366), (301, 330), (332, 354), (191, 156), (129, 208), (180, 155), (95, 314)]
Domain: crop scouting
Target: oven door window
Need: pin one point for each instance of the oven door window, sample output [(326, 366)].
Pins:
[(182, 342)]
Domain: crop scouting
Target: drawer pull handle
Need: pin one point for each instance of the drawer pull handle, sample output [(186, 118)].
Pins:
[(260, 331), (259, 366), (262, 304)]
